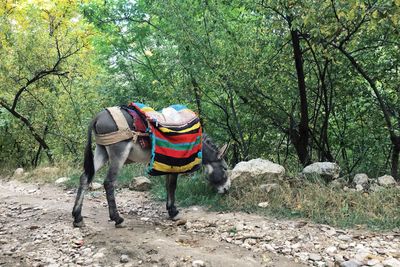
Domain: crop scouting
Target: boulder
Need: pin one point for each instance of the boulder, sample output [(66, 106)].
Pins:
[(386, 180), (140, 183), (329, 171), (61, 180), (258, 169), (18, 172), (360, 179)]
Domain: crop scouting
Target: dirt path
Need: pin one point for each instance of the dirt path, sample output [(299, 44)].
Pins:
[(36, 230)]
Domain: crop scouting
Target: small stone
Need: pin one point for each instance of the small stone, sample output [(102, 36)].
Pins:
[(344, 237), (140, 183), (18, 172), (263, 204), (350, 263), (303, 256), (61, 180), (359, 188), (198, 263), (98, 255), (95, 186), (124, 258), (391, 262), (361, 179), (315, 257), (331, 250), (268, 247), (373, 262)]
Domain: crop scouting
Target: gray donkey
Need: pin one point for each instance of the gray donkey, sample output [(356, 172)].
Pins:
[(128, 151)]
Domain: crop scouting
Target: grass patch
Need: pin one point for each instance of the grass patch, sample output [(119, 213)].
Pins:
[(295, 199), (323, 204), (191, 190)]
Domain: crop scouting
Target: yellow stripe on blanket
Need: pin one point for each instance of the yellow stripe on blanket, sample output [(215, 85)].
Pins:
[(166, 130), (175, 169)]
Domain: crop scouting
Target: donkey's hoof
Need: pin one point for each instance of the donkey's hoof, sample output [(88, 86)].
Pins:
[(172, 213), (79, 224), (118, 222)]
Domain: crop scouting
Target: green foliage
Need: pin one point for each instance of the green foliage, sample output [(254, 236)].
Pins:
[(231, 61)]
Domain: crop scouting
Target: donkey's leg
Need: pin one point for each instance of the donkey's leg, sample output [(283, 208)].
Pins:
[(171, 187), (100, 158), (77, 210), (118, 154)]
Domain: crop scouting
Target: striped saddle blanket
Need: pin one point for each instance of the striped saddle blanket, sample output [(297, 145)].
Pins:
[(176, 136)]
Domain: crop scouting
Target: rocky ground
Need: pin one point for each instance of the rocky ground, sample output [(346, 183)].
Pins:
[(36, 230)]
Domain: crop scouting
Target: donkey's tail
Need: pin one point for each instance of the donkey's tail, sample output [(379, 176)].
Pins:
[(88, 163)]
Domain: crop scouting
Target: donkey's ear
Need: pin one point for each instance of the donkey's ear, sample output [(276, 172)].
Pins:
[(222, 151)]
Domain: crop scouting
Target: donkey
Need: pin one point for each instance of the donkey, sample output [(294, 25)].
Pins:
[(128, 151)]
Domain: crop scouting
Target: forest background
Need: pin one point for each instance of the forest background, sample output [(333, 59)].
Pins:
[(291, 81)]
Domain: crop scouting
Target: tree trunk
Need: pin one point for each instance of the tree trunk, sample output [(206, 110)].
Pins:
[(301, 141), (34, 133), (395, 157), (197, 94), (395, 139)]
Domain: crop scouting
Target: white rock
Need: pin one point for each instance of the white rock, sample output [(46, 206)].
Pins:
[(95, 186), (140, 183), (359, 188), (391, 262), (264, 170), (315, 257), (303, 256), (361, 179), (386, 180), (344, 237), (263, 204), (327, 170), (124, 258), (269, 247), (18, 172), (373, 262), (331, 250), (61, 180), (350, 263), (198, 263), (98, 255)]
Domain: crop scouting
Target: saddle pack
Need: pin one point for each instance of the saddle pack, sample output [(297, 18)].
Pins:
[(176, 138), (174, 134)]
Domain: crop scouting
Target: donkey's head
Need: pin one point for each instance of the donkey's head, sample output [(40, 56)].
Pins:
[(215, 165)]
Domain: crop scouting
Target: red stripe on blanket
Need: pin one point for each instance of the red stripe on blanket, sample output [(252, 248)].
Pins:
[(178, 139), (177, 153)]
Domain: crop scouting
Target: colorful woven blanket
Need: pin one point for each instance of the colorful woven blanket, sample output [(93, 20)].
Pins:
[(176, 136)]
